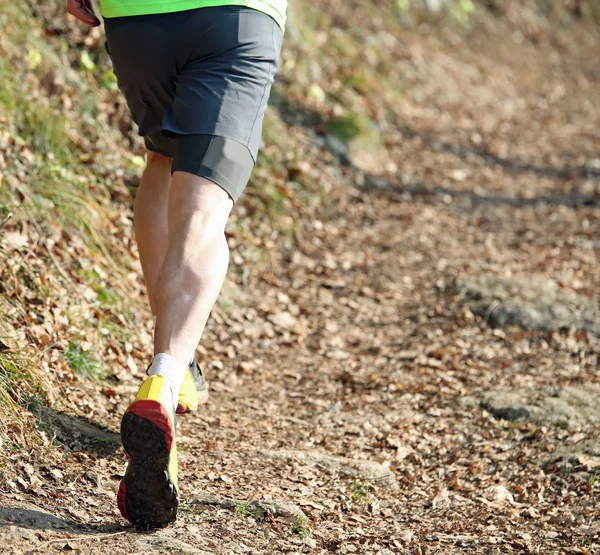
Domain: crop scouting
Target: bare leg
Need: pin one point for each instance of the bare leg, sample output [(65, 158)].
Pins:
[(151, 217), (195, 264)]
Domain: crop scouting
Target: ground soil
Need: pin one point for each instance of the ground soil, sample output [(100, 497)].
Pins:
[(354, 375)]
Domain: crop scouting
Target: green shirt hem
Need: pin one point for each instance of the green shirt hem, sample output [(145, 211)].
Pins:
[(116, 8)]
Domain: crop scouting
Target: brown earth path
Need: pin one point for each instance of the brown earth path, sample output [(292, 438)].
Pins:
[(349, 378)]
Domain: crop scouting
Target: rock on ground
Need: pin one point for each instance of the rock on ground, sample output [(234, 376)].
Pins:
[(256, 507), (568, 406), (533, 303), (584, 455), (368, 470)]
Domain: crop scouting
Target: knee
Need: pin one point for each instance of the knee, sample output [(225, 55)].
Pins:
[(200, 204)]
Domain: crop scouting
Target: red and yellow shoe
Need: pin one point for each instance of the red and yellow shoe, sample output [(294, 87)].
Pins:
[(148, 494), (193, 391)]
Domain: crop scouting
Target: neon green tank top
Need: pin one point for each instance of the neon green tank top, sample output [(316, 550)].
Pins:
[(119, 8)]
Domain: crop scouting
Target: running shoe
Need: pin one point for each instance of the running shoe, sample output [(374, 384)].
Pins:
[(194, 389), (148, 494)]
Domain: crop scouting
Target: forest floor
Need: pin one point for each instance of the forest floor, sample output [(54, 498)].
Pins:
[(413, 367)]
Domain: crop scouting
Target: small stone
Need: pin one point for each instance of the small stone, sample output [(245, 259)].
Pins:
[(500, 494), (283, 320)]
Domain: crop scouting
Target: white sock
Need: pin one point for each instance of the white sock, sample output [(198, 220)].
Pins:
[(172, 371)]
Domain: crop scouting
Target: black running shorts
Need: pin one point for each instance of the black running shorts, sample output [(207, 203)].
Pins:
[(197, 84)]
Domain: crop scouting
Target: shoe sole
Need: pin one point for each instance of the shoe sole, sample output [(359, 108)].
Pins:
[(147, 496)]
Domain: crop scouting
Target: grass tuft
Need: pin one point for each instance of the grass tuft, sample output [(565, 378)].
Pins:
[(360, 491), (83, 362), (20, 381), (348, 127), (301, 526), (241, 510)]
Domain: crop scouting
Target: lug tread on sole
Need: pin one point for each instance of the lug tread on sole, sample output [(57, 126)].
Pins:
[(147, 497)]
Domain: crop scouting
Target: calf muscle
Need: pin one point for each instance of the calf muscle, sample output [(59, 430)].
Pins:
[(195, 264)]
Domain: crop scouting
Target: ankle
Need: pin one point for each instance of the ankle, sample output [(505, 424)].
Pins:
[(171, 370)]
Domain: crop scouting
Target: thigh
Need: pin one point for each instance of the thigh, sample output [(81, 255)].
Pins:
[(139, 47), (223, 87)]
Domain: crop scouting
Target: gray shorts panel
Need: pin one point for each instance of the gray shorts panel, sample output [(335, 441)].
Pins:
[(224, 161), (207, 71)]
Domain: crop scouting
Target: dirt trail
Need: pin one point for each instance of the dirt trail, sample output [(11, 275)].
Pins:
[(365, 383)]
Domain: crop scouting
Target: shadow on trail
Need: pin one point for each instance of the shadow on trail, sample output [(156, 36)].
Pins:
[(565, 172), (39, 520), (294, 113), (422, 190), (77, 433)]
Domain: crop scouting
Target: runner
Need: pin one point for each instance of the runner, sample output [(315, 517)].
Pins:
[(196, 75)]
